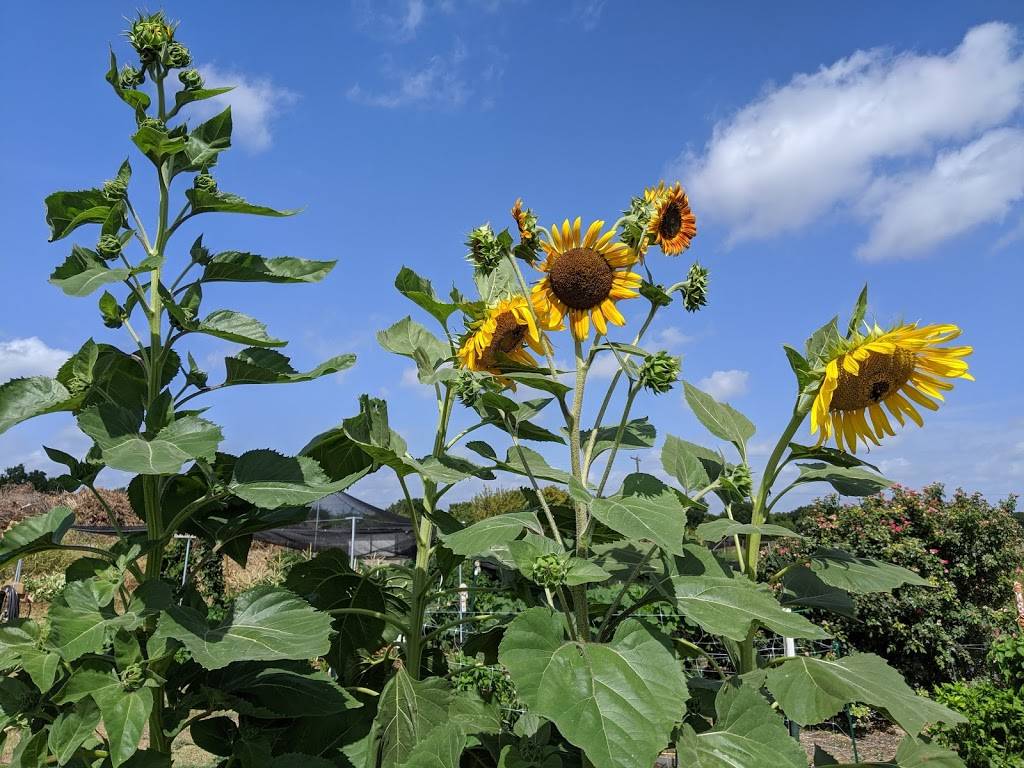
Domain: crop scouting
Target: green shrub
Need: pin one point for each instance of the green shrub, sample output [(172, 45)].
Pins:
[(1006, 657), (993, 736), (968, 548)]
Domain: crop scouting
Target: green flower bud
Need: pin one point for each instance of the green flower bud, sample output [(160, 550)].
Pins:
[(485, 251), (191, 79), (635, 222), (205, 182), (549, 570), (177, 56), (200, 253), (130, 77), (109, 246), (695, 289), (114, 190), (132, 677), (149, 34), (655, 294), (659, 372), (153, 122), (737, 481), (469, 387)]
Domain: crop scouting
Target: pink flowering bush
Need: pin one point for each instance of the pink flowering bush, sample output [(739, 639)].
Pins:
[(970, 550)]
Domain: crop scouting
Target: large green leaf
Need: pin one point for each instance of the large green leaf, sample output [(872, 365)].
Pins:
[(407, 711), (66, 211), (158, 144), (188, 95), (264, 624), (35, 534), (410, 339), (617, 701), (225, 202), (138, 100), (849, 481), (84, 271), (328, 582), (860, 574), (204, 143), (637, 435), (480, 537), (721, 419), (811, 690), (116, 432), (803, 588), (692, 465), (726, 606), (237, 327), (746, 733), (722, 527), (241, 267), (124, 717), (71, 729), (920, 754), (256, 365), (78, 626), (284, 691), (419, 290), (645, 510), (23, 399), (269, 480)]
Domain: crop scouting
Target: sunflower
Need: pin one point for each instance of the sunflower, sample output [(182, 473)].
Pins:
[(583, 279), (897, 368), (506, 329), (672, 224)]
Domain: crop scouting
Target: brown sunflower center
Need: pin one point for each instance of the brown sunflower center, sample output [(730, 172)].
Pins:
[(581, 278), (671, 221), (880, 376), (509, 335)]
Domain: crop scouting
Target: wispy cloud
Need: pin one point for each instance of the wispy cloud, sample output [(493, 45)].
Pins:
[(670, 338), (823, 140), (915, 211), (29, 357), (725, 385), (587, 13), (394, 20), (442, 82), (256, 102)]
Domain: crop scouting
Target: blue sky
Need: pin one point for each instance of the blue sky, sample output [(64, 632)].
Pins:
[(823, 145)]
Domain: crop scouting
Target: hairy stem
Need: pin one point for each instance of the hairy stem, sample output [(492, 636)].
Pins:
[(579, 593)]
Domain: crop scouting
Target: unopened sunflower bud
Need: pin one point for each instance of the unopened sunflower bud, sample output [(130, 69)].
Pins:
[(191, 79), (659, 372), (526, 221), (469, 387), (737, 479), (695, 289), (153, 122), (549, 570), (635, 223), (114, 190), (485, 252), (109, 246), (132, 677), (130, 77), (205, 182), (655, 294), (177, 56), (149, 34)]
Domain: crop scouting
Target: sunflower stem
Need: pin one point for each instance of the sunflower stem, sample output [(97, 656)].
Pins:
[(579, 593)]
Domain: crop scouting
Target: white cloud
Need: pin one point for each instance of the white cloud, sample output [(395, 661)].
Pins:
[(916, 211), (29, 357), (1011, 236), (724, 385), (443, 82), (588, 13), (804, 148), (394, 20), (604, 366), (255, 104), (671, 338)]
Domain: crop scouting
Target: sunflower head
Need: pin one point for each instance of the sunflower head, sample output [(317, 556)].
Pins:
[(584, 278), (893, 370), (505, 331), (672, 224)]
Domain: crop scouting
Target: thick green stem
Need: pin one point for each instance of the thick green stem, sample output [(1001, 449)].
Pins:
[(579, 593)]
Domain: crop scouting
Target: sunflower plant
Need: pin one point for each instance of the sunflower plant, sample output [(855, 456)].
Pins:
[(121, 658), (351, 667)]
